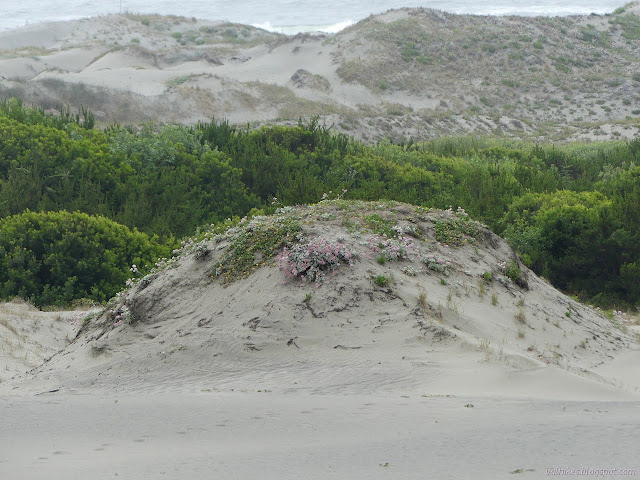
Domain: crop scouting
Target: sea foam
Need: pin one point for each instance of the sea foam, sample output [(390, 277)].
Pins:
[(295, 29)]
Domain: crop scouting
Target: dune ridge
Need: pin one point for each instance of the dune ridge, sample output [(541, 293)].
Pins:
[(410, 73)]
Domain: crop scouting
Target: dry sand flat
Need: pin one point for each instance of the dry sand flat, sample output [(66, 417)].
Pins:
[(274, 436), (407, 73), (436, 374)]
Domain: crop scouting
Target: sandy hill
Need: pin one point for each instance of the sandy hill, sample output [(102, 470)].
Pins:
[(430, 349), (406, 73), (432, 303)]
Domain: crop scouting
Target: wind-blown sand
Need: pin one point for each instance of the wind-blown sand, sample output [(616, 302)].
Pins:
[(410, 73), (433, 375), (274, 436), (29, 337)]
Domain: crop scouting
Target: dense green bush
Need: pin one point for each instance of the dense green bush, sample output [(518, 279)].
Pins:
[(162, 182), (550, 200), (54, 258), (568, 237)]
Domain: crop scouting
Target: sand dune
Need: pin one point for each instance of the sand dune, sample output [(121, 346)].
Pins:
[(436, 327), (437, 370), (408, 73)]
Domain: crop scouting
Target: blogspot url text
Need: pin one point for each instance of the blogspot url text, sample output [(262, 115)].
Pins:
[(592, 472)]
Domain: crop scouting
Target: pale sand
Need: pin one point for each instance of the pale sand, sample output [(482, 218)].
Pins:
[(294, 436), (128, 72), (252, 380), (29, 337)]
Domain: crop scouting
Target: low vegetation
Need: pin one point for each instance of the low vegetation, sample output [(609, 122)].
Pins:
[(254, 246), (312, 261), (572, 211)]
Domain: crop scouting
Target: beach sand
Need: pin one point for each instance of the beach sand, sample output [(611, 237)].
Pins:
[(271, 378)]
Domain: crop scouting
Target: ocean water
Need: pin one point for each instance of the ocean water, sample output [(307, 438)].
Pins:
[(286, 16)]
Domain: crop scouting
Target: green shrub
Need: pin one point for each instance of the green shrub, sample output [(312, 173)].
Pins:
[(510, 83), (381, 280), (487, 47), (169, 180), (565, 235), (630, 25), (54, 258), (513, 272), (457, 231)]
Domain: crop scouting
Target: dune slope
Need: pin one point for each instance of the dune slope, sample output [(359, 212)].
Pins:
[(410, 73), (438, 306)]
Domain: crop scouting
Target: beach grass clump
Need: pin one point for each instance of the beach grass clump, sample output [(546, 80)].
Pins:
[(231, 33), (381, 281), (176, 81), (255, 245), (310, 262), (494, 299)]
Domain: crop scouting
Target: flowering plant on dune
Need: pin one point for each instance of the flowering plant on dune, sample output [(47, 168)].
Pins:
[(312, 260), (437, 264), (120, 315), (391, 248)]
